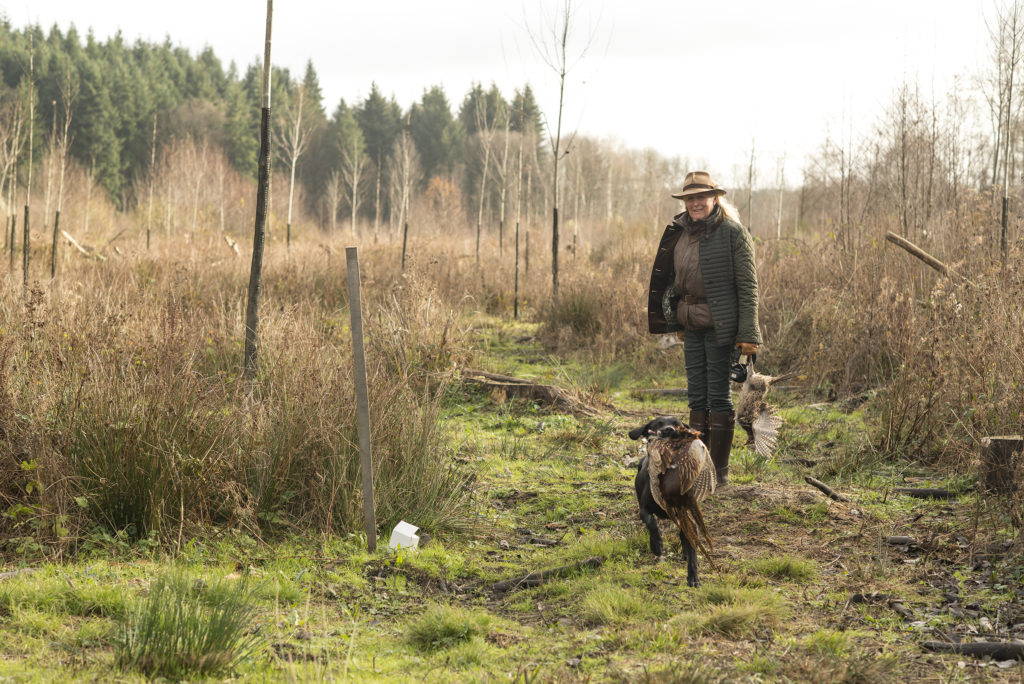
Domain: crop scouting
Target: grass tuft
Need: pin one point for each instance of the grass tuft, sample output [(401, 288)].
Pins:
[(184, 628), (609, 604), (442, 627), (786, 568)]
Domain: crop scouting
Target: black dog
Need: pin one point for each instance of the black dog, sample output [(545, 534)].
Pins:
[(665, 427)]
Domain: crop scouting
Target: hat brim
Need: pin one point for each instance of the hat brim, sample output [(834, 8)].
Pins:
[(699, 191)]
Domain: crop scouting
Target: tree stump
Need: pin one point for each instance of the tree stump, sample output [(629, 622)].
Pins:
[(1001, 462)]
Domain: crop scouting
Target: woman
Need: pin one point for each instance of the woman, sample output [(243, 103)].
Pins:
[(704, 288)]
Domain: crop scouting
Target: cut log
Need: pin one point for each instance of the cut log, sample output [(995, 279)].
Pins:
[(926, 493), (997, 650), (505, 386), (825, 489), (534, 579), (1000, 458)]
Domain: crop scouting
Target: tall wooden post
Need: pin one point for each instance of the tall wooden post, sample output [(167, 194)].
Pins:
[(252, 318), (362, 398)]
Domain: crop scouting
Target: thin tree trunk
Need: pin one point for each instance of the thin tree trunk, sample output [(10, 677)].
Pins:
[(152, 182), (376, 201), (26, 239), (262, 197), (483, 188)]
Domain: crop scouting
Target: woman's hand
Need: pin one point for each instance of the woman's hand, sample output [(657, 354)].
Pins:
[(747, 348)]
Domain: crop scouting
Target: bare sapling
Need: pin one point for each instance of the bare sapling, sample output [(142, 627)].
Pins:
[(11, 140), (51, 159), (503, 174), (152, 182), (519, 210), (69, 90), (294, 141), (405, 173), (553, 48), (90, 183), (332, 198), (354, 162), (197, 161), (25, 240), (484, 135)]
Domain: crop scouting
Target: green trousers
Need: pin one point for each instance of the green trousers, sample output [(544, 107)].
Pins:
[(707, 371)]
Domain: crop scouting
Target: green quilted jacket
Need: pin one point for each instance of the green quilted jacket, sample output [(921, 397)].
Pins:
[(727, 265)]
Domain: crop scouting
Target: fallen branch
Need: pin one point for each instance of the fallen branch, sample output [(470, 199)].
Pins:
[(549, 395), (535, 579), (997, 650), (926, 493), (924, 256), (74, 243), (825, 489)]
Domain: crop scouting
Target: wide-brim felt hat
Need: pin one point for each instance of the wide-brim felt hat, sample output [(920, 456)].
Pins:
[(698, 183)]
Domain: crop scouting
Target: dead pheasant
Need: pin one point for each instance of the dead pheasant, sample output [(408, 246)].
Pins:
[(675, 476), (759, 419)]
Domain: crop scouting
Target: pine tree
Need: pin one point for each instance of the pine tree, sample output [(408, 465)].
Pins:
[(437, 134)]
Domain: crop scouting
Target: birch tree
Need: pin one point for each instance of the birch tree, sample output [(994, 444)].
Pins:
[(551, 41), (294, 139)]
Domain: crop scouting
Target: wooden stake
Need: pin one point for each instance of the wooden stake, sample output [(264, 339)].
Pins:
[(405, 242), (362, 399)]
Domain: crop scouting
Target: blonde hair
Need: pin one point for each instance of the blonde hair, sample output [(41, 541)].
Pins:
[(729, 209)]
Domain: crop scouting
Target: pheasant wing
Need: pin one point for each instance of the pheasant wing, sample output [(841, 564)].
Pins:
[(658, 458), (766, 430), (704, 484)]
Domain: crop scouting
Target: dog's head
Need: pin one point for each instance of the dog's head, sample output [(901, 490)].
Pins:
[(662, 426)]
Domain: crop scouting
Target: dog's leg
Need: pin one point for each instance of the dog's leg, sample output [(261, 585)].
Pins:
[(690, 554), (651, 523)]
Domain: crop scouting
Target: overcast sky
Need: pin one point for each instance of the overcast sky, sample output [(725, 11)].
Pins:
[(700, 80)]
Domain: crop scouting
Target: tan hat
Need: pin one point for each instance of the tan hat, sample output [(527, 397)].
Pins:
[(698, 183)]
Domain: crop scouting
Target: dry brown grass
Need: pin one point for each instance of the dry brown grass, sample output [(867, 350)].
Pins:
[(122, 403), (136, 360)]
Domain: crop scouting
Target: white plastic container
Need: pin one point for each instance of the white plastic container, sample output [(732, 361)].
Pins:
[(404, 536)]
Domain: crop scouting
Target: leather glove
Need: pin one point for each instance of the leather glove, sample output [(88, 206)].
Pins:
[(747, 348)]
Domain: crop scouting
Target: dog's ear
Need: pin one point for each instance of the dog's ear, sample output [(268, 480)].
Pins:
[(637, 433)]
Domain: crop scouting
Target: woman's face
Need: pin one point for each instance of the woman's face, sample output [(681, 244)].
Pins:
[(699, 207)]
